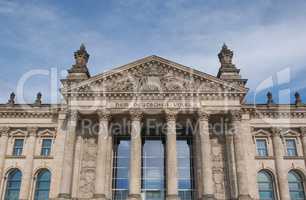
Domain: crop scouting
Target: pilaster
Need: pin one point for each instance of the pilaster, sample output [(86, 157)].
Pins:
[(241, 168), (3, 148), (68, 162), (28, 168), (279, 165)]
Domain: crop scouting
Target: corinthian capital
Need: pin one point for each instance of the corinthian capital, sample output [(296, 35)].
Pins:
[(276, 132), (236, 115), (32, 131), (303, 131), (104, 114), (203, 115), (73, 114), (4, 130), (171, 114), (136, 114)]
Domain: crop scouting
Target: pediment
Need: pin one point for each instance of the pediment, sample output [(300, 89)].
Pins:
[(154, 75)]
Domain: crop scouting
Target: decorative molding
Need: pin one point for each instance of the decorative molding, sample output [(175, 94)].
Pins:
[(25, 114), (47, 132)]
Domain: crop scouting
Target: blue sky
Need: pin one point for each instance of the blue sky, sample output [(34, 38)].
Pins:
[(268, 38)]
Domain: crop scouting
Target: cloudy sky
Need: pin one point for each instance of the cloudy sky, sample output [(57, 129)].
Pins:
[(268, 38)]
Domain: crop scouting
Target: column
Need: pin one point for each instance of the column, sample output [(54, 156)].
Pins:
[(3, 147), (67, 171), (27, 177), (171, 157), (103, 138), (207, 176), (135, 157), (241, 168), (281, 171)]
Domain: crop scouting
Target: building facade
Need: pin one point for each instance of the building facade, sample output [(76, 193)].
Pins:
[(153, 129)]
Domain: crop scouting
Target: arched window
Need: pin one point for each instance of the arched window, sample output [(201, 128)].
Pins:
[(42, 187), (265, 186), (13, 185), (296, 186)]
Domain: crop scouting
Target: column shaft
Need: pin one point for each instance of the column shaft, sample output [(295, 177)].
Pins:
[(77, 166), (207, 176), (67, 172), (241, 168), (27, 177), (281, 172), (171, 158), (231, 165), (135, 157), (101, 184)]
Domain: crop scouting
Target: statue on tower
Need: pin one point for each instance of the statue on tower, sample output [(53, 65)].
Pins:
[(81, 56), (79, 70), (226, 56)]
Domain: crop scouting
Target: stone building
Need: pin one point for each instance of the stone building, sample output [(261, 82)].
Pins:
[(152, 129)]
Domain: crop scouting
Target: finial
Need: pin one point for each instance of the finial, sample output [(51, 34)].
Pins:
[(224, 46), (81, 56), (38, 99), (270, 98), (82, 47), (298, 100), (226, 56), (11, 100)]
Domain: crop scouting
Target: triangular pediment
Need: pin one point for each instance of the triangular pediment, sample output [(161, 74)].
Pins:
[(154, 74)]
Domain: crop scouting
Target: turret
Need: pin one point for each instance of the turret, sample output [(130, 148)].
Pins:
[(228, 70), (79, 70)]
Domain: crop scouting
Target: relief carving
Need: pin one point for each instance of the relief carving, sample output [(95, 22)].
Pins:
[(218, 168), (88, 167), (153, 76)]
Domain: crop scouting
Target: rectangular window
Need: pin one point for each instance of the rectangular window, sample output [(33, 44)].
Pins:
[(291, 147), (46, 147), (18, 147), (261, 147)]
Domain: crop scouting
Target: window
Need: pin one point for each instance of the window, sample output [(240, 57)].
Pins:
[(291, 147), (42, 187), (13, 185), (261, 147), (121, 162), (265, 186), (153, 173), (296, 186), (185, 172), (46, 147), (18, 146)]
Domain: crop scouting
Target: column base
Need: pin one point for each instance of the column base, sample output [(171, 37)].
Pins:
[(134, 197), (244, 197), (63, 196), (172, 197), (99, 197), (208, 197)]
